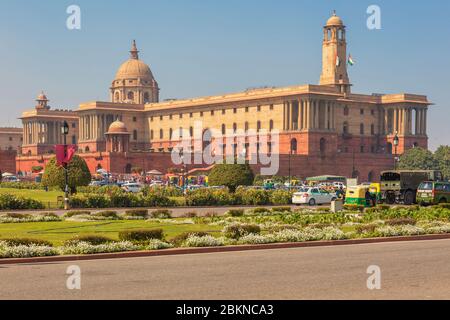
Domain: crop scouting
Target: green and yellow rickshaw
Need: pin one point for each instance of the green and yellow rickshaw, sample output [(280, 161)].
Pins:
[(356, 195)]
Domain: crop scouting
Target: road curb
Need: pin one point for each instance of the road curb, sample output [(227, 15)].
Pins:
[(185, 251)]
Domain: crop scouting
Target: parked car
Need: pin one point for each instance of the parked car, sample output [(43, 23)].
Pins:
[(96, 183), (339, 185), (313, 196), (10, 179), (431, 192), (132, 187)]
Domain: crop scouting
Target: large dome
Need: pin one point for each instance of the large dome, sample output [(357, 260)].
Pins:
[(117, 127), (134, 68)]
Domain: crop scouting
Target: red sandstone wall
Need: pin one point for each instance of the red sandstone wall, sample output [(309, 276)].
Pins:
[(8, 161)]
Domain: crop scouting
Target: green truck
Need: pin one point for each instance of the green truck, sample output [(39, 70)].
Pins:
[(431, 192), (400, 186)]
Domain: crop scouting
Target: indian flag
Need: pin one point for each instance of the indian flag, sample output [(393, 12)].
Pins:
[(350, 60)]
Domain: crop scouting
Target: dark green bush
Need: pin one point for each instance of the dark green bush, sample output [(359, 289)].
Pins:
[(354, 207), (211, 214), (143, 213), (141, 235), (12, 202), (261, 210), (237, 230), (235, 213), (210, 197), (27, 242), (231, 175), (107, 214), (48, 214), (444, 205), (78, 173), (161, 214), (91, 239), (179, 239)]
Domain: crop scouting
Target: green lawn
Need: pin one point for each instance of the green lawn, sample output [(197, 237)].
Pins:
[(40, 195), (58, 232)]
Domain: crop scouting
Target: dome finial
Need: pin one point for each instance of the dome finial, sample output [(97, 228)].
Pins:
[(134, 51), (334, 13)]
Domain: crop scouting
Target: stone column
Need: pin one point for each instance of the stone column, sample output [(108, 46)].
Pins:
[(300, 114), (425, 119), (291, 115), (317, 108)]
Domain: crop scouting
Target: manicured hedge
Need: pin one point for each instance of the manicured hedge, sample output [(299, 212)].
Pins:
[(12, 202), (141, 235)]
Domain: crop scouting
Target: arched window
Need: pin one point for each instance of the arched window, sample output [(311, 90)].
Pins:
[(146, 97), (191, 131), (234, 127), (246, 126), (345, 128), (346, 111), (135, 134), (117, 97), (224, 129), (323, 145), (294, 146), (207, 138), (271, 125), (258, 126), (161, 134), (361, 129), (151, 135), (86, 149), (130, 95), (170, 133)]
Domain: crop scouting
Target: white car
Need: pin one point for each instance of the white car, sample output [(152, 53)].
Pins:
[(313, 196), (132, 187), (339, 185)]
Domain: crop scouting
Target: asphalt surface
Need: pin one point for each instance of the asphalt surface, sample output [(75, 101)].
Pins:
[(409, 270)]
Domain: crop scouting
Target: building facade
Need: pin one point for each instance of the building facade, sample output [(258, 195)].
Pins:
[(322, 129)]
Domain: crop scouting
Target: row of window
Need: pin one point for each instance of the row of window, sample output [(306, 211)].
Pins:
[(212, 112), (361, 111), (224, 130), (346, 130)]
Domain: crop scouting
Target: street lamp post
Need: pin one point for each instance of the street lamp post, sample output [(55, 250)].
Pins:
[(65, 132), (396, 142)]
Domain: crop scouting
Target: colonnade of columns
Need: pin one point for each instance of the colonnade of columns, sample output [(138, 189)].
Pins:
[(94, 126), (400, 120), (42, 132), (309, 114)]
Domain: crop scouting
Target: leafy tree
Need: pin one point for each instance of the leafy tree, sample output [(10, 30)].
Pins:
[(418, 159), (442, 156), (231, 176), (78, 174)]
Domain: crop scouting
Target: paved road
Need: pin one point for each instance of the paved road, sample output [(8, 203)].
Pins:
[(410, 270), (176, 212)]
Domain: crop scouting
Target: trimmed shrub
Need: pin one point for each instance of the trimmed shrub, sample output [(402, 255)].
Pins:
[(141, 235), (14, 242), (253, 197), (238, 230), (231, 175), (107, 214), (281, 197), (210, 197), (401, 222), (91, 239), (235, 213), (153, 199), (71, 214), (141, 213), (211, 214), (281, 209), (12, 202), (78, 173), (98, 201), (260, 210), (190, 214), (161, 214)]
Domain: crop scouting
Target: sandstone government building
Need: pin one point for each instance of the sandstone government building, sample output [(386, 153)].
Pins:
[(323, 129)]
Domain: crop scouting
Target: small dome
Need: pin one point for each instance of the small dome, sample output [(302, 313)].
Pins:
[(42, 97), (117, 127), (335, 21)]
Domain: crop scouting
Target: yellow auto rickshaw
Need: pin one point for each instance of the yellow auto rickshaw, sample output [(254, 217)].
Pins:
[(356, 195), (375, 192)]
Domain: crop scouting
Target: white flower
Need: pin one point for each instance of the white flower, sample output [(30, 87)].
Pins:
[(157, 245), (206, 241), (87, 248), (25, 251), (257, 239)]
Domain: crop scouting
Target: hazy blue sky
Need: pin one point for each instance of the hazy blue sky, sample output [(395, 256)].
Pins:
[(206, 47)]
